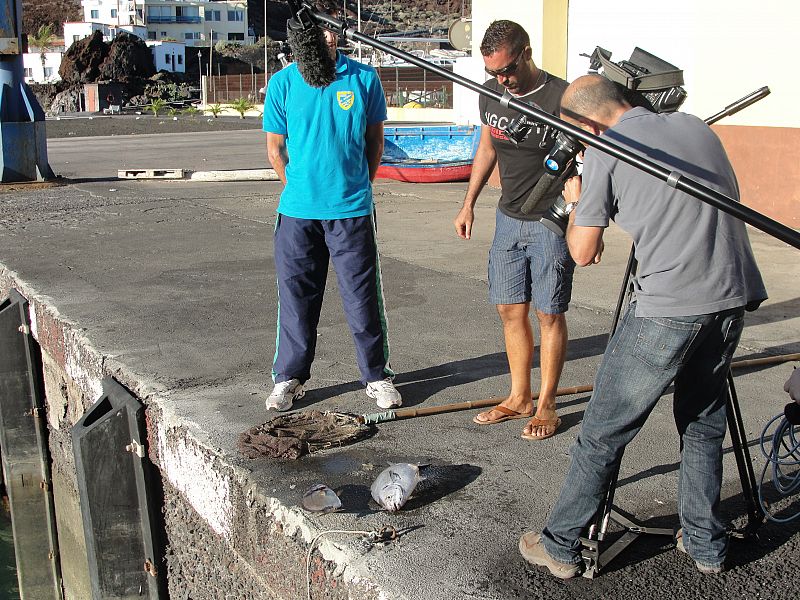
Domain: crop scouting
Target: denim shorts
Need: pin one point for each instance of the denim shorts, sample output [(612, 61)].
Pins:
[(529, 263)]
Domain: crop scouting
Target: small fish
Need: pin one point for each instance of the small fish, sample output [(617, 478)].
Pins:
[(321, 498), (394, 485)]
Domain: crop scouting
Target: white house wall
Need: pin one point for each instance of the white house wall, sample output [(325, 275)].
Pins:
[(32, 63), (169, 56), (727, 49)]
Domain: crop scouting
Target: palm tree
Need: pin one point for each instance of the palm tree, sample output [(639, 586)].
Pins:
[(43, 39)]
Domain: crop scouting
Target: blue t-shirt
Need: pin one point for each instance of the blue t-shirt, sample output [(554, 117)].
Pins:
[(327, 176)]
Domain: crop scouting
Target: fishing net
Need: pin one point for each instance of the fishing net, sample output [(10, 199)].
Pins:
[(295, 434)]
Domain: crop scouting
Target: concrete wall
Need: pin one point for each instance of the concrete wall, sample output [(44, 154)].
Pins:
[(224, 538)]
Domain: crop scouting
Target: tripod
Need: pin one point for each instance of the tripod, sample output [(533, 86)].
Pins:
[(595, 554)]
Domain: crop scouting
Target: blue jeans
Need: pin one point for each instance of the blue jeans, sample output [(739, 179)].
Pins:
[(644, 356)]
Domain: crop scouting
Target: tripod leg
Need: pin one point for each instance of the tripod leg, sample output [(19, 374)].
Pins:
[(755, 513), (625, 291), (592, 543)]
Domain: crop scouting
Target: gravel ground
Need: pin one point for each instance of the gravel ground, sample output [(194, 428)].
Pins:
[(103, 125)]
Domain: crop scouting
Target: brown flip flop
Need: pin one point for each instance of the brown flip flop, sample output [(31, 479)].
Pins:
[(508, 415), (537, 422)]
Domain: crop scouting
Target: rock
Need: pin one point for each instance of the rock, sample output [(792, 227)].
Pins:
[(82, 61), (67, 101), (140, 100), (127, 59)]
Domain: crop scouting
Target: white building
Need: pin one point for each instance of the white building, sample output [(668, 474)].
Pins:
[(193, 22), (169, 56), (32, 66), (78, 30)]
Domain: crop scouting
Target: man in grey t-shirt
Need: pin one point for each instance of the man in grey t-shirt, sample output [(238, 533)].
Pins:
[(696, 276)]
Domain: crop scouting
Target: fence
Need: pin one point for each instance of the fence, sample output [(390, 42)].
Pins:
[(223, 89), (400, 84)]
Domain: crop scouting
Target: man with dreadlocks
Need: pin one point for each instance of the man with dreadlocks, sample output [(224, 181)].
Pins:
[(325, 140)]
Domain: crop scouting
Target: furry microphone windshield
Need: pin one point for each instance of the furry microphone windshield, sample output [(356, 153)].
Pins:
[(311, 54)]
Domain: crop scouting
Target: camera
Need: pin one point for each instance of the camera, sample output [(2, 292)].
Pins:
[(647, 81), (518, 129)]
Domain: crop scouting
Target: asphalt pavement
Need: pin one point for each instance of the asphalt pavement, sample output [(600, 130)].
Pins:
[(173, 281)]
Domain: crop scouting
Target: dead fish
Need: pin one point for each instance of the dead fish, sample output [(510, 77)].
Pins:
[(395, 484), (321, 498)]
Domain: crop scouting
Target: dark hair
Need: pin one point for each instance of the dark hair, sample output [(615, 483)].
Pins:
[(504, 34), (592, 94), (328, 7)]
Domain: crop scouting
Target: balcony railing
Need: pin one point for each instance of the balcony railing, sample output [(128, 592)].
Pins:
[(172, 19)]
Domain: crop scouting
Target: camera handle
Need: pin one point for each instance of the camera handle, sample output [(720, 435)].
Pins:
[(595, 555)]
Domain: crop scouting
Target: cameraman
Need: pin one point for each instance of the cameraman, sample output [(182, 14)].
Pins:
[(696, 276), (527, 262)]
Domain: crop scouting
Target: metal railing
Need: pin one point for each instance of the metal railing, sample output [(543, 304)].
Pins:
[(401, 86), (173, 19)]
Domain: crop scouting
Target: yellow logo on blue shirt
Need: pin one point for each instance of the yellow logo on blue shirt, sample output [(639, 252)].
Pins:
[(345, 99)]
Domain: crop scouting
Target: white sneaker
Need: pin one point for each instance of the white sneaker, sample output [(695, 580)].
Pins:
[(385, 393), (284, 393)]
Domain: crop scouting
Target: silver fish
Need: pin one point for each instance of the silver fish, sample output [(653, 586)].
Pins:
[(394, 485), (321, 498)]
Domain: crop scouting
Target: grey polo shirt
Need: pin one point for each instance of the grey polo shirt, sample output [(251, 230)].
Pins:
[(693, 259)]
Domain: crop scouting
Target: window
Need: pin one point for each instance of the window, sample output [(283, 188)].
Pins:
[(191, 35), (94, 14), (48, 72), (180, 59), (160, 14), (28, 72), (236, 15), (213, 15), (151, 35), (75, 38), (163, 34), (113, 13), (235, 37)]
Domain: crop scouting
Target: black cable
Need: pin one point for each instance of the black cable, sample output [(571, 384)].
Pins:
[(783, 454)]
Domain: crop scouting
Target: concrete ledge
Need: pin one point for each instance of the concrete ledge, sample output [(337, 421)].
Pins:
[(236, 175), (232, 175), (226, 538), (150, 173)]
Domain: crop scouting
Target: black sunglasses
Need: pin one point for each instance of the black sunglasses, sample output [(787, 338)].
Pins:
[(508, 69)]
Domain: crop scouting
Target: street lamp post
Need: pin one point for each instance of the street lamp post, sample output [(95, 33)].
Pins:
[(200, 70), (211, 63), (266, 58)]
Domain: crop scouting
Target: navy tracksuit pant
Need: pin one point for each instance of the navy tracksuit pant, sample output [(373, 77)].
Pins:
[(303, 248)]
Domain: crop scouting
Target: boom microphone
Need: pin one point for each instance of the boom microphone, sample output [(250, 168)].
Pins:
[(308, 46)]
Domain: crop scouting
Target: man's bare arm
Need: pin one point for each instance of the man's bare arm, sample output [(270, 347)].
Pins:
[(482, 166), (277, 155), (585, 243), (374, 147)]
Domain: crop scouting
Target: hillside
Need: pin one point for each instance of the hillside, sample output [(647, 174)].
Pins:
[(404, 13), (43, 12)]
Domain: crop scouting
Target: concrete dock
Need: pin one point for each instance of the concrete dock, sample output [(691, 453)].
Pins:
[(169, 287)]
